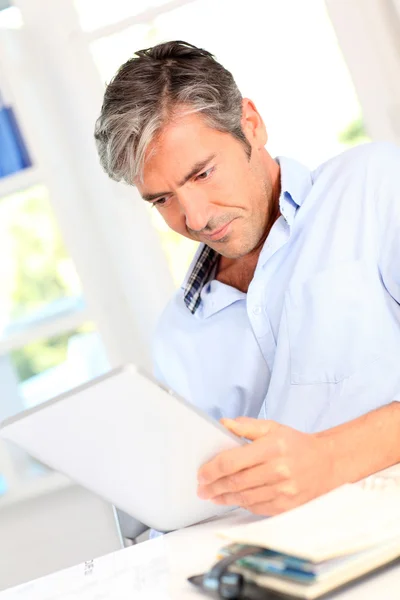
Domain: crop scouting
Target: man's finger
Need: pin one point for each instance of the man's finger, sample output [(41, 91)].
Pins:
[(248, 498), (231, 461), (275, 506), (266, 509), (263, 474), (252, 429)]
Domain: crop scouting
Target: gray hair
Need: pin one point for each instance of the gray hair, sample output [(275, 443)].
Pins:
[(149, 89)]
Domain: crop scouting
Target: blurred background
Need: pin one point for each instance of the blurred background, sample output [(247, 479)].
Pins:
[(86, 267)]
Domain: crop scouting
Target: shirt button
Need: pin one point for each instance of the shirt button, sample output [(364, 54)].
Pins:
[(257, 310)]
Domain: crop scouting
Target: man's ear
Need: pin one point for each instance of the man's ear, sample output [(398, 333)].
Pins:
[(252, 124)]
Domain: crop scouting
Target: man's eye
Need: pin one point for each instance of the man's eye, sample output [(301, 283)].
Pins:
[(205, 174), (159, 202)]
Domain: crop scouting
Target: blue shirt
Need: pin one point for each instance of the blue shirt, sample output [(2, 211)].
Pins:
[(315, 341)]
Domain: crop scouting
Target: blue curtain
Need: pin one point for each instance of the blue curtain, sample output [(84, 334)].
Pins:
[(13, 153)]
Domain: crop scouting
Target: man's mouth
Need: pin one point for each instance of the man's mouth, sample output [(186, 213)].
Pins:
[(218, 234)]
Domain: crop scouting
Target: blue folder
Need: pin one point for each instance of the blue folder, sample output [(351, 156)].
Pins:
[(13, 153)]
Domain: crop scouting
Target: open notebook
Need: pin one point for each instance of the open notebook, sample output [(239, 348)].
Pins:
[(325, 543)]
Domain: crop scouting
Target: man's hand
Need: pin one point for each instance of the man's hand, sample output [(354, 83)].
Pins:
[(281, 469)]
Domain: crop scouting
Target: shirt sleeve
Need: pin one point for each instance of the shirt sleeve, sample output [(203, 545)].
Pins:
[(388, 213), (388, 219)]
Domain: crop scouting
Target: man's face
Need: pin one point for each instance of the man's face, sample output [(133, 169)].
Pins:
[(206, 187)]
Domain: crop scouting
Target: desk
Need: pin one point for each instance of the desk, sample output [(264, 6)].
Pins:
[(157, 570)]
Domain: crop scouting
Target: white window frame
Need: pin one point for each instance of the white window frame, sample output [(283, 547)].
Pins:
[(368, 32)]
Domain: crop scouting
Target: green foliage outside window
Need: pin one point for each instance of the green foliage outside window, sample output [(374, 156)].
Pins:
[(44, 354), (36, 271), (355, 133)]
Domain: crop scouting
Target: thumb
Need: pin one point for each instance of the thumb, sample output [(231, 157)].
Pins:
[(251, 429)]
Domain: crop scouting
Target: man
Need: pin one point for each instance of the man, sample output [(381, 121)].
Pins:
[(288, 324)]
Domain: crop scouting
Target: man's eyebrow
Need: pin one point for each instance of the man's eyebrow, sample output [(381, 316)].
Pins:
[(150, 197), (199, 166)]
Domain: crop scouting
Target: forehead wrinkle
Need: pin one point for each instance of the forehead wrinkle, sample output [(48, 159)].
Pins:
[(198, 166)]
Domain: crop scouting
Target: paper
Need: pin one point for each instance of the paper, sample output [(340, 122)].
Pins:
[(136, 573), (384, 481), (349, 519)]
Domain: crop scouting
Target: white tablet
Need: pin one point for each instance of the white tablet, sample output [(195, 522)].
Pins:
[(129, 440)]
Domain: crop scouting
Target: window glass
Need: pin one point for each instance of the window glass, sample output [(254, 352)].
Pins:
[(48, 367), (37, 372), (40, 288), (35, 268)]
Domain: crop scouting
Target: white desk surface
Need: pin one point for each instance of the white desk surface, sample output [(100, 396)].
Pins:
[(158, 570)]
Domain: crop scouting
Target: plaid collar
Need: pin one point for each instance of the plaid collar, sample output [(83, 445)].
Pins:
[(206, 260)]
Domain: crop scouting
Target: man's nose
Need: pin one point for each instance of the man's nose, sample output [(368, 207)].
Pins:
[(196, 209)]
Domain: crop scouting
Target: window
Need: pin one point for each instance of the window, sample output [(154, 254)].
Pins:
[(42, 310), (48, 341), (48, 344), (36, 270)]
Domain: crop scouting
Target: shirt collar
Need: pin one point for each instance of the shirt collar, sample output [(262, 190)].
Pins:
[(296, 183), (203, 264)]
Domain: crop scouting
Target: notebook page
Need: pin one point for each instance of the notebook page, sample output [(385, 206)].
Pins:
[(348, 519)]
